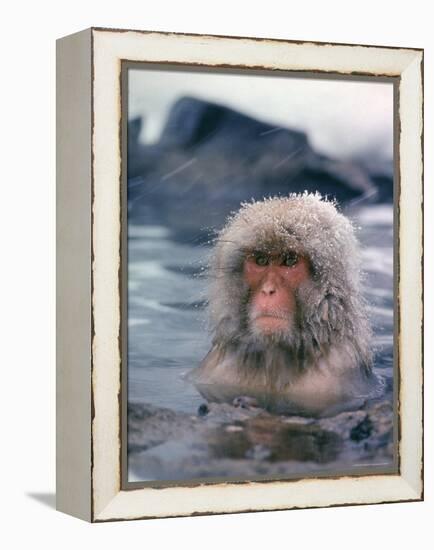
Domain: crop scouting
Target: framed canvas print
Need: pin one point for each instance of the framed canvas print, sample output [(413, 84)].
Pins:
[(239, 288)]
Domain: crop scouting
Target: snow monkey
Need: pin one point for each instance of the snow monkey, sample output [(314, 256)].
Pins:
[(288, 320)]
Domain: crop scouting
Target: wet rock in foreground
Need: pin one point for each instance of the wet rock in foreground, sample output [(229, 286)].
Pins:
[(244, 443)]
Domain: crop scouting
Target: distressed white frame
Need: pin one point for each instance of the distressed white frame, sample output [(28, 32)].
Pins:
[(106, 499)]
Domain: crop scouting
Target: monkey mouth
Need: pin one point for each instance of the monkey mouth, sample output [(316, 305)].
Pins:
[(269, 315), (270, 322)]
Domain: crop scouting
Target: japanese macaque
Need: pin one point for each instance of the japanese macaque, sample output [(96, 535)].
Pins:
[(288, 320)]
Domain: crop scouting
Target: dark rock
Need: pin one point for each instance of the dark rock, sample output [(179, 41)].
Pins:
[(203, 409), (362, 430), (380, 172), (216, 157), (245, 402)]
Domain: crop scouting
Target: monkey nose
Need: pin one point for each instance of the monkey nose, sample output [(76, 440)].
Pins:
[(268, 289)]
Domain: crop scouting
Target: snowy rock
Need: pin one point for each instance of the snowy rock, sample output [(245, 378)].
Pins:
[(215, 157)]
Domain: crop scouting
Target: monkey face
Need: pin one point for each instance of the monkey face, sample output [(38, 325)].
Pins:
[(285, 284), (273, 280)]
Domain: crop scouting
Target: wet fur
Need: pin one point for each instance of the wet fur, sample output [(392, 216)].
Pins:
[(326, 356)]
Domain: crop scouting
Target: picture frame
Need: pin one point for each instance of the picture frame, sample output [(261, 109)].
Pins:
[(91, 334)]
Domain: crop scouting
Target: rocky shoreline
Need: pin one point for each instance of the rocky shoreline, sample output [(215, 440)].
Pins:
[(243, 441)]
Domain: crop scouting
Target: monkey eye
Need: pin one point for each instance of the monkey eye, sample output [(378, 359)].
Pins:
[(261, 259), (290, 259)]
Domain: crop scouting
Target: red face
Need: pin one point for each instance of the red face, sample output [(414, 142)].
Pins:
[(273, 280)]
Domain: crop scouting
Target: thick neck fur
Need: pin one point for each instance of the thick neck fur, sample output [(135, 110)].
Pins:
[(273, 367)]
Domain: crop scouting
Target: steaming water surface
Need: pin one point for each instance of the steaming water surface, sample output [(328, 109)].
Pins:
[(167, 331)]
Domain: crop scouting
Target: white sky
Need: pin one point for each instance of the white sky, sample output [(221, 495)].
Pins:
[(342, 118)]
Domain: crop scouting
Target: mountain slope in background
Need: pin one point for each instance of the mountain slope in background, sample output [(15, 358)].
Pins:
[(211, 158)]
